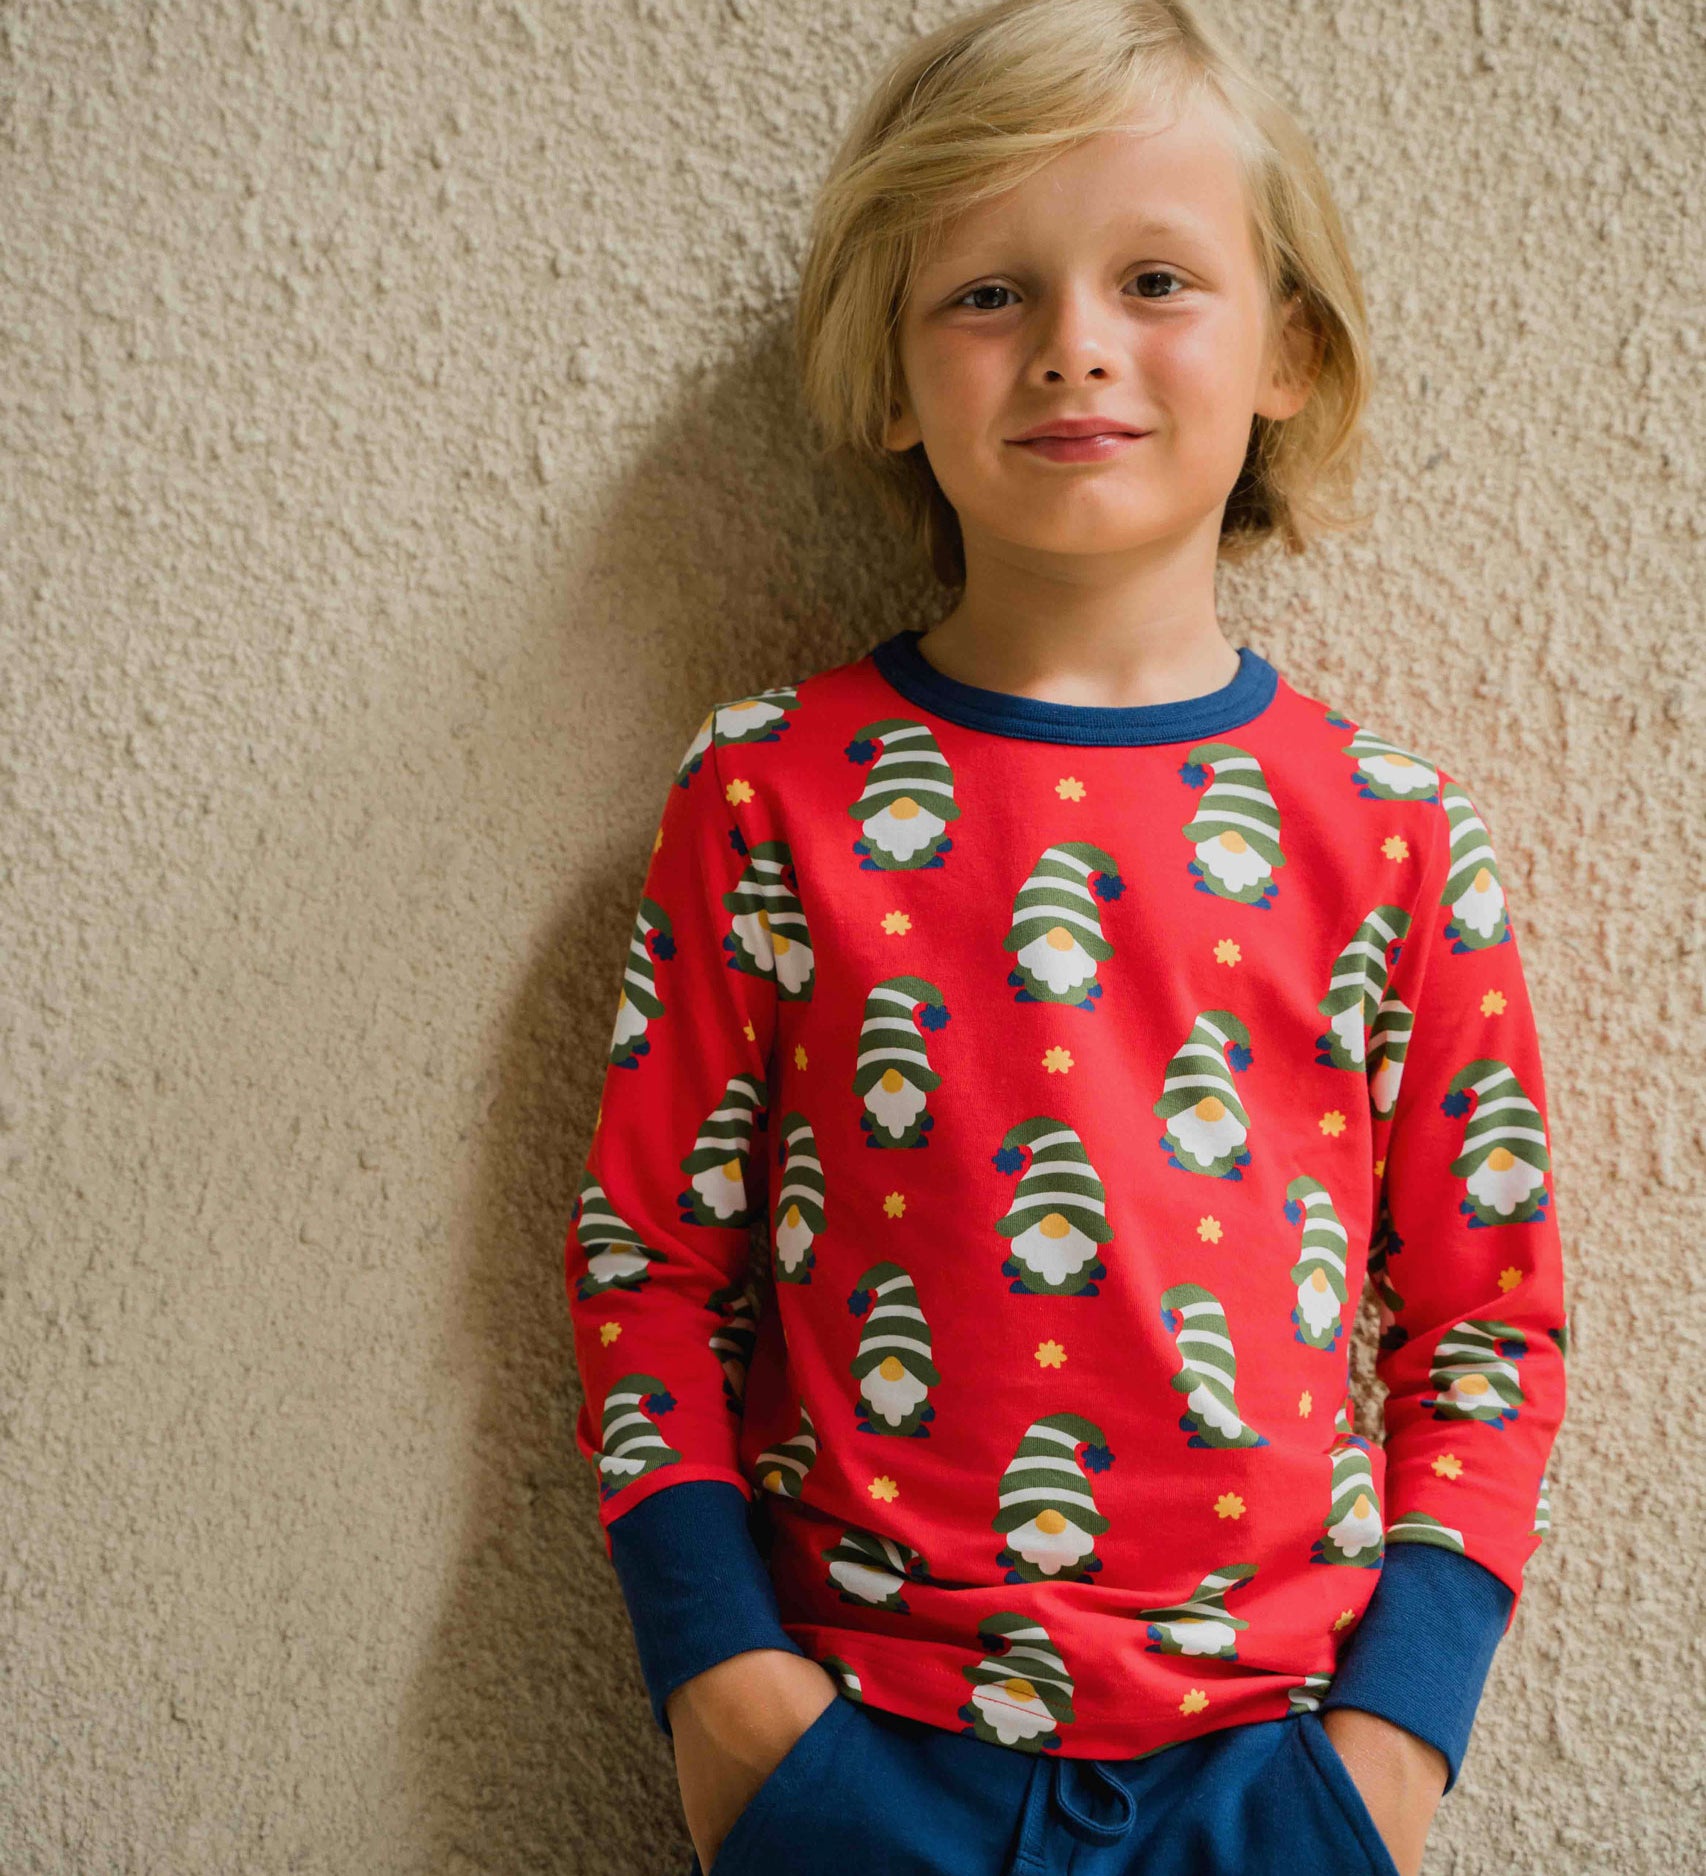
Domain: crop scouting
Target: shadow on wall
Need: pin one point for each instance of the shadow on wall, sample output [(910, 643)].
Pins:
[(729, 561)]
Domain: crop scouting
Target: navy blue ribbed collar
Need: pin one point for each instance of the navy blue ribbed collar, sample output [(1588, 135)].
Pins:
[(1243, 696)]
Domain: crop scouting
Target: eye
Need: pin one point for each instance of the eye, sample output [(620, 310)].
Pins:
[(989, 286), (1159, 273)]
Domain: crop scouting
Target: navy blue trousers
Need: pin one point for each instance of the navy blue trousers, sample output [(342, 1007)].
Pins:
[(866, 1790)]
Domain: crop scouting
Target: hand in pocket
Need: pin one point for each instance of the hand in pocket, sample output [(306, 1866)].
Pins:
[(732, 1726)]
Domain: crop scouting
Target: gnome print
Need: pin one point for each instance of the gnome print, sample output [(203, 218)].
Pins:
[(1022, 1695), (782, 1469), (1206, 1122), (1235, 832), (851, 1686), (1058, 1217), (1504, 1160), (1417, 1527), (1354, 997), (872, 1570), (1474, 892), (893, 1075), (760, 718), (1352, 1532), (1208, 1368), (1200, 1624), (1048, 1513), (1056, 930), (908, 797), (893, 1365), (767, 935), (1319, 1273), (798, 1217), (732, 1341), (1384, 772), (1307, 1697), (630, 1444), (616, 1259), (717, 1166), (1474, 1368), (637, 1002), (1383, 1245)]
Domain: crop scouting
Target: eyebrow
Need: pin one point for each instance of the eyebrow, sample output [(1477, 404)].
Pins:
[(1146, 228)]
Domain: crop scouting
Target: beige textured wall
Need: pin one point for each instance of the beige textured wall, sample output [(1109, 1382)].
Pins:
[(400, 455)]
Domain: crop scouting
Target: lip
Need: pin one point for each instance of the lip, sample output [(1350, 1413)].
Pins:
[(1057, 427)]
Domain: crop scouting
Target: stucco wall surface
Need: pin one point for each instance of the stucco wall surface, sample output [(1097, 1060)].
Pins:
[(399, 457)]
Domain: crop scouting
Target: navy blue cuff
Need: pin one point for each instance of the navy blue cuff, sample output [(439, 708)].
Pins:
[(1421, 1653), (696, 1588)]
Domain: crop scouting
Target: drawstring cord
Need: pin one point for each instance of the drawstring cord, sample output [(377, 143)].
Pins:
[(1094, 1828)]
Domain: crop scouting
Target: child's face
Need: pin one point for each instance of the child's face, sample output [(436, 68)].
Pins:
[(1056, 300)]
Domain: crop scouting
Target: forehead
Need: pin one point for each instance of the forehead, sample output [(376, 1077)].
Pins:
[(1178, 179)]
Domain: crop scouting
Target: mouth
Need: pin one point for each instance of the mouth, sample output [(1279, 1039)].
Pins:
[(1081, 446)]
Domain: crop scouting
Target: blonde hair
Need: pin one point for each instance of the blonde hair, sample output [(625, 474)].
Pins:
[(974, 107)]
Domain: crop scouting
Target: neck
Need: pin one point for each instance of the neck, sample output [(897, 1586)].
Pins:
[(1102, 630)]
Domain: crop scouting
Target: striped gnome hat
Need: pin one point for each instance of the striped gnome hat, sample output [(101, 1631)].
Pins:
[(1031, 1656), (1044, 1474), (873, 1569), (1059, 1210), (1475, 889), (1320, 1267), (908, 794), (768, 935), (1200, 1624), (782, 1469), (1504, 1159), (1207, 1124), (889, 1037), (1416, 1527), (1208, 1368), (1058, 893), (1474, 1366), (638, 1002), (735, 1336), (798, 1216), (630, 1445), (616, 1255), (1384, 772), (1360, 975), (717, 1164), (895, 1327), (1236, 828), (1352, 1532)]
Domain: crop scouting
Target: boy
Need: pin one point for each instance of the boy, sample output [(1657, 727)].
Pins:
[(1078, 1012)]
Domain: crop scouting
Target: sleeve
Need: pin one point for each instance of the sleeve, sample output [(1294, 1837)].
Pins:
[(1472, 1280), (660, 1300)]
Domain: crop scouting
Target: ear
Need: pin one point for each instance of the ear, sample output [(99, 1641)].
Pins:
[(1293, 362), (901, 431)]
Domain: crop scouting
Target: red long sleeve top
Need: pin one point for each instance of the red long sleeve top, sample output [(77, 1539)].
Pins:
[(1006, 1104)]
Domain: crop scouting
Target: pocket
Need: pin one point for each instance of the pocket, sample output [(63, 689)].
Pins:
[(795, 1772), (1333, 1772)]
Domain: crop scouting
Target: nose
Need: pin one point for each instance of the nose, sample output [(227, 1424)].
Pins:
[(1074, 343)]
